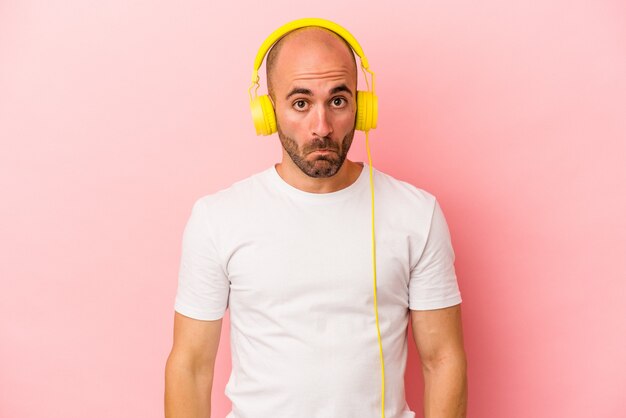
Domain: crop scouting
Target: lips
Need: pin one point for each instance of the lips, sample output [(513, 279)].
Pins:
[(322, 145), (324, 151)]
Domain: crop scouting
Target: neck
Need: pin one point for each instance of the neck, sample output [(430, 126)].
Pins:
[(292, 175)]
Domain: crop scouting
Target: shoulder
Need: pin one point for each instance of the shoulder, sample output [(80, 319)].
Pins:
[(236, 195), (402, 192)]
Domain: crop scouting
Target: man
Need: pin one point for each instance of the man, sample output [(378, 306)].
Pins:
[(287, 250)]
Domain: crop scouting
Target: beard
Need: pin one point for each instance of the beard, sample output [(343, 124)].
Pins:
[(323, 165)]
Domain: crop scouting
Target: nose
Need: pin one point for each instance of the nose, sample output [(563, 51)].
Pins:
[(321, 125)]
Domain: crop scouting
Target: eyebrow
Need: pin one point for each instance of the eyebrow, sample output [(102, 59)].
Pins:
[(334, 90)]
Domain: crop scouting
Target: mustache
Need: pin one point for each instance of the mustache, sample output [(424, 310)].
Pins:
[(321, 143)]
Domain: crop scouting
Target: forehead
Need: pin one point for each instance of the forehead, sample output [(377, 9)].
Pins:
[(313, 54)]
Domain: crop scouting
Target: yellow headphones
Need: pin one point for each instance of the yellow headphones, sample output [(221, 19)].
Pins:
[(261, 107)]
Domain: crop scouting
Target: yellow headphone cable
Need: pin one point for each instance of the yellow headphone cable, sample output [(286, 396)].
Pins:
[(380, 343)]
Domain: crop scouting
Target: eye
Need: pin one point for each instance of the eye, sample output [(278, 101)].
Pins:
[(339, 102), (300, 104)]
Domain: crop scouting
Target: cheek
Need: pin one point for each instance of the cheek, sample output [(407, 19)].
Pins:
[(346, 119), (292, 124), (283, 115), (289, 124)]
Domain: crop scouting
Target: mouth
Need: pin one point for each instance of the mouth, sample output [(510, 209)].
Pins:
[(321, 146), (322, 152)]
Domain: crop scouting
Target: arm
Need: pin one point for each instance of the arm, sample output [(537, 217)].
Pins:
[(189, 368), (439, 339)]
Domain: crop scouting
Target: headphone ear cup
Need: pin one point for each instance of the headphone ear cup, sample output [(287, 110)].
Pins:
[(366, 110), (263, 115)]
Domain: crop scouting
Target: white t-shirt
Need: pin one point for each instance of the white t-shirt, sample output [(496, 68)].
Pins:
[(295, 268)]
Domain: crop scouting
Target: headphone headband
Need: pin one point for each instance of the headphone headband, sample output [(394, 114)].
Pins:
[(262, 108), (302, 23)]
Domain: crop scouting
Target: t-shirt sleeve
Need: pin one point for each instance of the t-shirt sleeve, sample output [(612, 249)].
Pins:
[(203, 286), (433, 283)]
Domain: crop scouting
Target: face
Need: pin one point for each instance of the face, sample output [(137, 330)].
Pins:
[(314, 90)]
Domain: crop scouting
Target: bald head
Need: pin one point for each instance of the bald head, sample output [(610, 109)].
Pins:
[(310, 39)]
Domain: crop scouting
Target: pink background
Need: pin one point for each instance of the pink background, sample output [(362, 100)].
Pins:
[(116, 115)]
